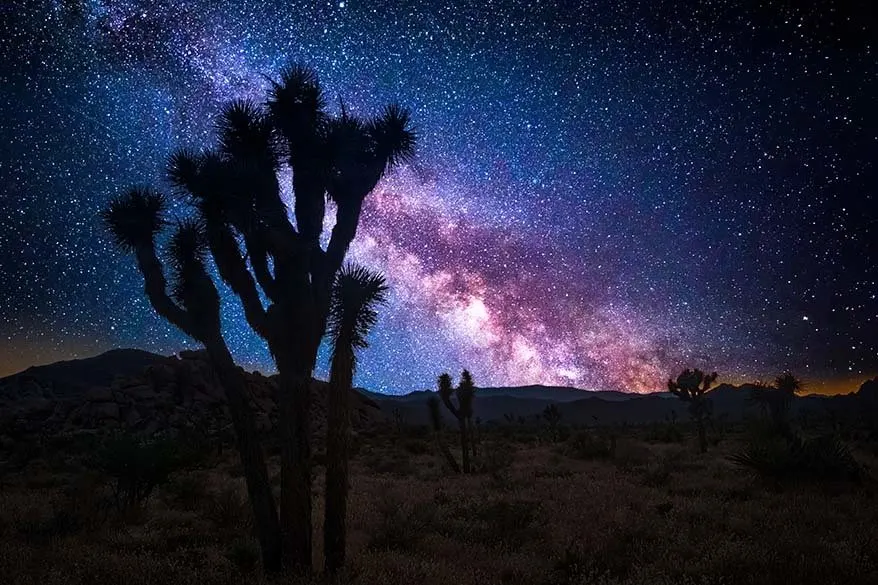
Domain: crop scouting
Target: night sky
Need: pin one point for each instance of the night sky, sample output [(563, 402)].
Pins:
[(603, 193)]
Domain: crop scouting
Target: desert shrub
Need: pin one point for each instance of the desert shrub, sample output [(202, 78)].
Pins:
[(416, 446), (228, 511), (564, 433), (390, 463), (572, 567), (664, 433), (656, 474), (244, 555), (495, 459), (400, 524), (137, 467), (589, 444), (798, 459), (81, 505), (553, 473), (187, 491), (38, 529), (509, 521), (631, 454)]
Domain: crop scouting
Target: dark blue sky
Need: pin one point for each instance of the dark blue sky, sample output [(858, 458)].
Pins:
[(602, 195)]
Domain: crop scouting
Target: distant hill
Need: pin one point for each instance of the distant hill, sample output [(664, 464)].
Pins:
[(584, 407), (69, 378)]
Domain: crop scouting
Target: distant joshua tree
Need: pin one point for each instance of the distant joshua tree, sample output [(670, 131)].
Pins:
[(777, 400), (356, 294), (266, 257), (552, 415), (691, 386), (435, 411), (462, 411)]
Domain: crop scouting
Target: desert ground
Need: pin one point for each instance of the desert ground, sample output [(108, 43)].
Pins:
[(590, 506)]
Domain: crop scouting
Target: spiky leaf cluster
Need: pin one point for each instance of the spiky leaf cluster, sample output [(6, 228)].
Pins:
[(788, 384), (356, 294), (394, 139), (296, 105), (191, 286), (691, 384), (135, 218), (466, 391), (246, 134)]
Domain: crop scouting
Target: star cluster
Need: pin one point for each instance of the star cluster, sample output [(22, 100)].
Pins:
[(604, 192)]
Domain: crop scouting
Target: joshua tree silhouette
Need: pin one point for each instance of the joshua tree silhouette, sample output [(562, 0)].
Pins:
[(777, 400), (235, 191), (691, 386), (552, 415), (435, 411), (356, 294), (135, 219), (463, 411)]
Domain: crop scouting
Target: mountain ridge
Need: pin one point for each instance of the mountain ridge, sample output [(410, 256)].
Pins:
[(40, 388)]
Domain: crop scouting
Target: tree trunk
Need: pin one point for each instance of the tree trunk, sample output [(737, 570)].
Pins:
[(252, 459), (295, 505), (338, 421), (464, 445), (473, 436), (446, 452), (702, 435)]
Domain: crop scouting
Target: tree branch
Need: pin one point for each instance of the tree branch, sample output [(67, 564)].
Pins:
[(233, 271), (155, 286)]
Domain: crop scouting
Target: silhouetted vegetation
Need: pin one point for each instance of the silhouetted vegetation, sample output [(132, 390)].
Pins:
[(436, 421), (464, 394), (592, 444), (356, 294), (137, 467), (795, 458), (243, 224), (691, 387), (553, 417), (776, 400)]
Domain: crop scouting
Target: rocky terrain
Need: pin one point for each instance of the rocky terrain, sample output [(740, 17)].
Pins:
[(142, 393), (147, 393)]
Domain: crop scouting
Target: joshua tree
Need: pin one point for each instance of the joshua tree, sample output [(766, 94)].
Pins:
[(462, 411), (691, 386), (436, 420), (777, 399), (235, 190), (135, 219), (553, 417), (397, 419), (355, 296)]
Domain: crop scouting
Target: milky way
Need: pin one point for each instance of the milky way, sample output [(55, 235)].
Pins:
[(603, 192)]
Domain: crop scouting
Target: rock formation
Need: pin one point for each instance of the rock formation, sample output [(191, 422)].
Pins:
[(169, 394)]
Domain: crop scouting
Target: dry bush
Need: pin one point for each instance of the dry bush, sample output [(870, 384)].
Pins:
[(400, 524)]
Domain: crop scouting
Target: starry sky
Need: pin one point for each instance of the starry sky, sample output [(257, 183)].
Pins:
[(604, 192)]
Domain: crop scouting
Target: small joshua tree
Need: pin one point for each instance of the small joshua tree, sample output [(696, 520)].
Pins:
[(691, 386), (435, 411), (777, 400), (356, 293), (462, 411), (552, 415)]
